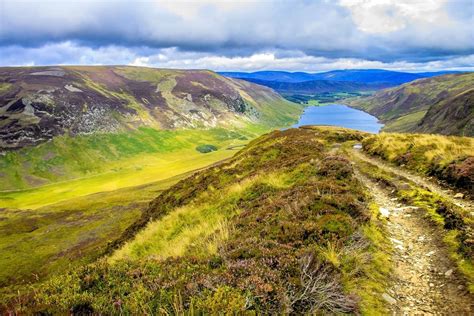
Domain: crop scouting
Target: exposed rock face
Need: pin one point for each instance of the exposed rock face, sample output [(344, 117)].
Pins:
[(39, 103)]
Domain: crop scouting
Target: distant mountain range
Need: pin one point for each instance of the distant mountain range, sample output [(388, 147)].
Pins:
[(367, 76), (331, 86), (442, 105), (318, 86)]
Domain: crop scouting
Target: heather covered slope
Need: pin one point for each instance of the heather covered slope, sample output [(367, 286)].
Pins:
[(39, 103), (453, 116), (63, 123), (442, 104), (281, 227), (299, 222)]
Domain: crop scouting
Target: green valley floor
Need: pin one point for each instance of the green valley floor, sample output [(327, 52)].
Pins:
[(314, 220)]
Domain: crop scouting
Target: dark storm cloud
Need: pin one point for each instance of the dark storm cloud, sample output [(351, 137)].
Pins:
[(386, 31)]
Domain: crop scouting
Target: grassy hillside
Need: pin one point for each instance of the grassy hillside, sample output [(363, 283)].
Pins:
[(449, 158), (113, 155), (51, 239), (85, 149), (442, 104), (40, 103), (284, 226), (72, 122)]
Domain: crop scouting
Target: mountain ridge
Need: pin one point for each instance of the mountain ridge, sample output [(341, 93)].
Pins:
[(441, 104), (39, 103), (380, 76), (318, 86)]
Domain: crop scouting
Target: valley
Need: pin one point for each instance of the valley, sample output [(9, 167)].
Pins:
[(67, 192), (226, 209), (314, 210), (237, 157)]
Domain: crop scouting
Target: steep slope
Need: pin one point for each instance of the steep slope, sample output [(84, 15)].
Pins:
[(39, 103), (63, 123), (276, 229), (301, 221), (442, 104), (453, 116)]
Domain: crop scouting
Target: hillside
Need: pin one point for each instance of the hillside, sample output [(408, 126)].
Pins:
[(39, 103), (443, 105), (367, 76), (297, 222), (113, 114)]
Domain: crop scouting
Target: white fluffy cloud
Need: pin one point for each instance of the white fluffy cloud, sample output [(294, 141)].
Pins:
[(67, 53), (245, 34)]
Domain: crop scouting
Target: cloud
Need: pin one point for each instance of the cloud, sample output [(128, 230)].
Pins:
[(67, 53), (384, 31)]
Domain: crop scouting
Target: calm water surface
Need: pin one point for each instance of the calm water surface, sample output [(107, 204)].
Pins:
[(339, 115)]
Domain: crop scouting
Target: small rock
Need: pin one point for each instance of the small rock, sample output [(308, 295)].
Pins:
[(448, 273), (396, 241), (459, 196), (404, 186), (389, 299), (429, 254), (357, 146), (384, 212), (393, 199), (431, 284)]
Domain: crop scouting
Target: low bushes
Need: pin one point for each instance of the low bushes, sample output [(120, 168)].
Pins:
[(301, 217)]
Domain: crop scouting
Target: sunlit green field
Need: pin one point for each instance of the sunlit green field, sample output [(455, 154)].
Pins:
[(143, 157), (67, 222), (132, 172), (57, 226), (34, 243)]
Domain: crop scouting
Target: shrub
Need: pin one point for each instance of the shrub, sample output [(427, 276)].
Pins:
[(204, 149)]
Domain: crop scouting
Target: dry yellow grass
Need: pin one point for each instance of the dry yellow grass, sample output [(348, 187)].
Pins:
[(426, 148), (198, 227)]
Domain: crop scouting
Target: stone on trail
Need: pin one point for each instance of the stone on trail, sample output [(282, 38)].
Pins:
[(448, 273), (358, 146), (384, 212), (389, 299), (459, 196), (429, 254), (396, 241)]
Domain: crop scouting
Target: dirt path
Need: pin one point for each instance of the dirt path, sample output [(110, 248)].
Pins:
[(425, 281), (418, 180)]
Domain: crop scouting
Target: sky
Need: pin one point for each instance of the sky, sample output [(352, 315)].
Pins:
[(291, 35)]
